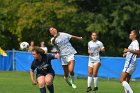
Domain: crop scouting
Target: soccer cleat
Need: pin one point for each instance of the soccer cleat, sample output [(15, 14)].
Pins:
[(74, 86), (89, 89), (95, 88)]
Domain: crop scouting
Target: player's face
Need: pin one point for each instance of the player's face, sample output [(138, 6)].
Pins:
[(53, 31), (132, 35), (36, 56), (94, 36)]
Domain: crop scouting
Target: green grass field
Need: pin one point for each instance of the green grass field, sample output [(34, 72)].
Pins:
[(19, 82)]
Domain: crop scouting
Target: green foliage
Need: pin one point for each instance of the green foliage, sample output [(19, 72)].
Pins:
[(26, 20)]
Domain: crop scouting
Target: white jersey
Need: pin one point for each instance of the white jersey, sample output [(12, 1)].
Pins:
[(93, 46), (63, 44), (45, 49), (131, 57)]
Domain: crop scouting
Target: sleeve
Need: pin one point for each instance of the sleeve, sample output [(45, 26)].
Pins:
[(136, 46), (33, 67), (51, 56), (68, 35), (88, 45), (101, 45)]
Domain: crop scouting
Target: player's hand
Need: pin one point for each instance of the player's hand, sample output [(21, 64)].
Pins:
[(124, 55), (80, 38), (33, 82), (90, 52), (126, 50), (57, 55), (99, 49)]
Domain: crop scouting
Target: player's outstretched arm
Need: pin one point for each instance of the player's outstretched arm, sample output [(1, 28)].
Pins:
[(32, 77), (76, 37)]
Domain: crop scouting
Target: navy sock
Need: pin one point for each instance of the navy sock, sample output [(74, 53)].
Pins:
[(43, 90), (51, 88)]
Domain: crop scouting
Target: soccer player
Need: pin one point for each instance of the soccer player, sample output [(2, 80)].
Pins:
[(94, 48), (45, 73), (130, 63), (61, 41)]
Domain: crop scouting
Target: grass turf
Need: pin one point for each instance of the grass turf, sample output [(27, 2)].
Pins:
[(19, 82)]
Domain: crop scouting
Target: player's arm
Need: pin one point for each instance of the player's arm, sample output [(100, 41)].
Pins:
[(32, 74), (101, 49), (53, 56), (132, 51), (90, 52), (32, 77), (76, 37)]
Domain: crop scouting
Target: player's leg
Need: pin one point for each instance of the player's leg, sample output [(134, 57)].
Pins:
[(66, 73), (89, 81), (95, 73), (41, 83), (124, 83), (71, 71), (49, 82)]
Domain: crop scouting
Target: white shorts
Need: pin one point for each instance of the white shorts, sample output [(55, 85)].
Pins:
[(92, 64), (129, 70), (66, 59)]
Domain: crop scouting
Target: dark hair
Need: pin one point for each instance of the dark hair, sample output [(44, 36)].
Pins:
[(48, 30), (38, 50)]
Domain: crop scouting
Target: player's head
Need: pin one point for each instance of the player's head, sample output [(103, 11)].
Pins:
[(52, 31), (42, 44), (38, 52), (133, 35), (94, 36), (32, 43)]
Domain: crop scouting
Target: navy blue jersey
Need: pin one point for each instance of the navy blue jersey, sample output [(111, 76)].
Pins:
[(43, 66)]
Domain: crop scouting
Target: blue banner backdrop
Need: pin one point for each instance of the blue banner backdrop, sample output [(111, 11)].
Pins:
[(111, 67)]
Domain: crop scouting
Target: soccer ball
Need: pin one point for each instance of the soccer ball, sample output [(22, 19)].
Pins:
[(24, 45)]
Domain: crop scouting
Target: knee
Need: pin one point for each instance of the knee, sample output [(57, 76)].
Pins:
[(41, 84), (71, 71), (48, 82), (90, 74), (95, 75), (121, 80)]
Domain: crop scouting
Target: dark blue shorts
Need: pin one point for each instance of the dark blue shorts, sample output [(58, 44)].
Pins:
[(44, 74)]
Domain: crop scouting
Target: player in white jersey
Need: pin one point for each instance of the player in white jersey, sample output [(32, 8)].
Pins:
[(130, 63), (94, 48), (61, 41)]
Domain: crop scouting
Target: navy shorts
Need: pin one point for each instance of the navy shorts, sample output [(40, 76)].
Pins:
[(44, 74)]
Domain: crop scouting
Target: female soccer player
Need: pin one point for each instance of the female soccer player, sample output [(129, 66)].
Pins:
[(61, 41), (130, 62), (45, 73), (94, 47)]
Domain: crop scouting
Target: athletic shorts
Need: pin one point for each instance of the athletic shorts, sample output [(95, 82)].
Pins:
[(44, 74), (92, 64), (66, 59), (129, 70)]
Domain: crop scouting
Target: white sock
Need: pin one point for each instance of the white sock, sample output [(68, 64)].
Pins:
[(72, 79), (126, 91), (95, 81), (127, 86), (89, 81)]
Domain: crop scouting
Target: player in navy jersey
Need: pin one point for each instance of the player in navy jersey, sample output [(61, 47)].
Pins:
[(45, 73), (66, 51)]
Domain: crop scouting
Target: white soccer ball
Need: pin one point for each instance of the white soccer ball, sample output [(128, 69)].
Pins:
[(24, 45)]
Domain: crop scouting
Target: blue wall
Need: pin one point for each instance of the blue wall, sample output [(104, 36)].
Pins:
[(111, 67)]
